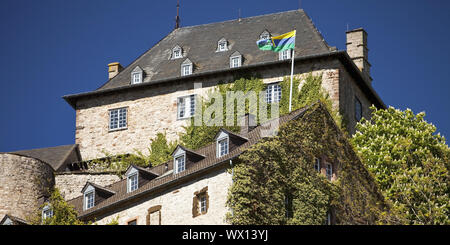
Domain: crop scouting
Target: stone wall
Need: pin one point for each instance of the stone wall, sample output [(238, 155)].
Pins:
[(71, 184), (175, 204), (24, 184), (154, 109)]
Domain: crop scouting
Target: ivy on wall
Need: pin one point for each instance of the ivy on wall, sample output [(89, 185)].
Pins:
[(275, 182)]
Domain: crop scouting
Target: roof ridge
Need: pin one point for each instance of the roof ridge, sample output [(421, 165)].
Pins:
[(246, 18)]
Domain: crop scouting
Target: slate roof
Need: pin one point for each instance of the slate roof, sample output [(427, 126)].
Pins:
[(199, 44), (15, 220), (57, 157), (163, 170)]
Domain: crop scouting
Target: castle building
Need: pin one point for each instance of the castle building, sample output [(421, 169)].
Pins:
[(156, 93)]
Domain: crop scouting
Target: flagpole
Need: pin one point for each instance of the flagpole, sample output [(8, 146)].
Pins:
[(292, 74)]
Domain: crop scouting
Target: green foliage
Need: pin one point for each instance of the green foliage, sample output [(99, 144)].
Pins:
[(118, 163), (63, 213), (283, 166), (160, 150), (410, 163)]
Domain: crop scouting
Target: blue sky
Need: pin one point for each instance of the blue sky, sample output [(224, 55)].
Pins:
[(51, 48)]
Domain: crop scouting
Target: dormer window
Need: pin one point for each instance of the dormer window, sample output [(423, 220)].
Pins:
[(264, 35), (47, 212), (285, 55), (180, 164), (177, 52), (223, 144), (235, 60), (222, 45), (136, 75), (89, 199), (132, 182), (186, 68)]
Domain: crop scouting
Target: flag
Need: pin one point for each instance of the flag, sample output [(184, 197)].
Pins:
[(278, 43)]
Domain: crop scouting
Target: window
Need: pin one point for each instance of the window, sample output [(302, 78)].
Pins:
[(317, 164), (235, 61), (329, 170), (133, 182), (186, 107), (136, 78), (177, 52), (222, 45), (203, 207), (47, 212), (288, 205), (200, 202), (186, 70), (132, 222), (89, 200), (358, 109), (222, 147), (136, 75), (273, 93), (328, 220), (285, 55), (118, 119), (264, 35), (180, 164)]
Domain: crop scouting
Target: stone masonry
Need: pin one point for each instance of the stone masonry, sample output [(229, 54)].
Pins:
[(154, 109), (25, 183), (176, 204), (71, 184)]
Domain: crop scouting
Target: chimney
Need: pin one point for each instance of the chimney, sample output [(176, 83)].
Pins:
[(114, 69), (358, 51), (247, 123)]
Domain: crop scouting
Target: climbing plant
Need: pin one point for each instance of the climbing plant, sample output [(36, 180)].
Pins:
[(63, 213), (274, 182)]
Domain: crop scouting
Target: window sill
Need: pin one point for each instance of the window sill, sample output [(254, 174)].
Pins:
[(118, 129)]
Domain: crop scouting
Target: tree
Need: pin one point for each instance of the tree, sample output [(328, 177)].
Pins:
[(410, 163), (63, 213)]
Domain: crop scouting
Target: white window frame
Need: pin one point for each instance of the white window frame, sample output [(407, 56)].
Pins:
[(86, 199), (235, 61), (187, 106), (47, 212), (203, 201), (222, 45), (186, 69), (221, 153), (273, 95), (177, 168), (136, 78), (177, 52), (285, 55), (120, 118), (329, 170), (132, 186), (264, 35), (317, 164)]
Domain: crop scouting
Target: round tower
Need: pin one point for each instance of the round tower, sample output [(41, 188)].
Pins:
[(25, 183)]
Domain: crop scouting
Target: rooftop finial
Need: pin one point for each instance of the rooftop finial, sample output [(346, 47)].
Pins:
[(177, 19)]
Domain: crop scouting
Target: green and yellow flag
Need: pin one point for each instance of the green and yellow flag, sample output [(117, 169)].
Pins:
[(279, 43)]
